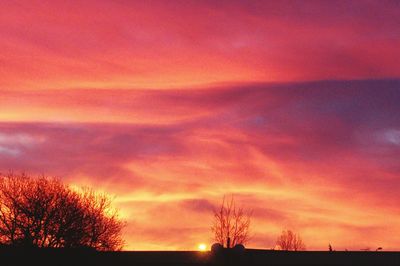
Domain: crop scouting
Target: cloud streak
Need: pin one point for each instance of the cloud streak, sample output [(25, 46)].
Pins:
[(318, 157), (158, 44)]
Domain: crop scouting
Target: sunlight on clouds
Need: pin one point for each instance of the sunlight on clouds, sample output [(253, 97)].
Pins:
[(323, 182), (145, 196)]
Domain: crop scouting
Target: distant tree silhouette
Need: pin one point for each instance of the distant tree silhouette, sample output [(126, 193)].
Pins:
[(231, 225), (44, 212), (290, 241)]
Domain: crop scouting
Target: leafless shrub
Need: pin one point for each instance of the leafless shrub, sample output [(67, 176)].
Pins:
[(290, 241)]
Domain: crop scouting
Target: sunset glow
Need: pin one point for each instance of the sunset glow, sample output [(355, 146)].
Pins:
[(202, 247), (292, 107)]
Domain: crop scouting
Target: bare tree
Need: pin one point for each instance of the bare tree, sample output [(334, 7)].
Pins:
[(103, 225), (290, 241), (44, 212), (231, 224)]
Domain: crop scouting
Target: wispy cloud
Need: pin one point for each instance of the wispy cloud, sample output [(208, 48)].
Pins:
[(319, 157), (161, 44)]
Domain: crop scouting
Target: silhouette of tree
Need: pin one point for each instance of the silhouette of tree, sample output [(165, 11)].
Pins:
[(290, 241), (231, 224), (44, 212)]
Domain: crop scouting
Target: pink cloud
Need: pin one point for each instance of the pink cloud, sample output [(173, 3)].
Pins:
[(318, 157), (52, 44)]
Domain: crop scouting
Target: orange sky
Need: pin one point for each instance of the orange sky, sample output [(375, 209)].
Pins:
[(169, 105)]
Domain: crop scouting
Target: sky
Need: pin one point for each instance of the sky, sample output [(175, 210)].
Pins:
[(292, 107)]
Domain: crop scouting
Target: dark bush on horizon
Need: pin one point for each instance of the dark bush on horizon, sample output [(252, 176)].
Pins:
[(290, 241), (44, 212)]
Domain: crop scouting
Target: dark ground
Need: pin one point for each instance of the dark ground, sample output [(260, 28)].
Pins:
[(15, 257)]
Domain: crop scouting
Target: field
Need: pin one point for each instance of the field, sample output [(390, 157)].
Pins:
[(14, 257)]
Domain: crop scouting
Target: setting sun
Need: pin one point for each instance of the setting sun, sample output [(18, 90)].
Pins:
[(202, 247)]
